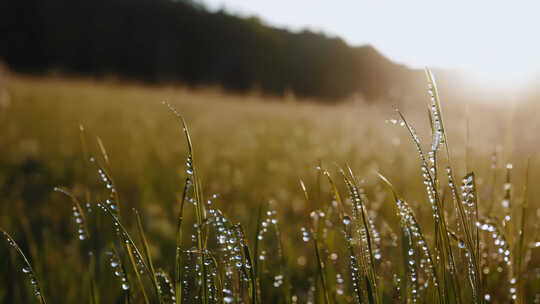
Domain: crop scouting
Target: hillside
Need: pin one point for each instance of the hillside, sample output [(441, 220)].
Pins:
[(181, 42)]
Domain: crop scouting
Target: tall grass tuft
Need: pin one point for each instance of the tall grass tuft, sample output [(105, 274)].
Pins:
[(198, 202)]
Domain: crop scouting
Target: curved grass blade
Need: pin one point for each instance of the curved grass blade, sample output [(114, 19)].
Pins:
[(147, 253), (78, 214), (136, 258), (199, 210), (361, 217), (120, 271), (354, 267), (444, 250), (416, 245), (247, 264), (27, 269), (129, 250), (467, 222), (166, 288)]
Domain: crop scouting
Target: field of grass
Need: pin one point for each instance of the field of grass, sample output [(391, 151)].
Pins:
[(357, 242)]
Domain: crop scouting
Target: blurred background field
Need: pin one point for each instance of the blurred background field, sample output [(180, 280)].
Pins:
[(266, 107)]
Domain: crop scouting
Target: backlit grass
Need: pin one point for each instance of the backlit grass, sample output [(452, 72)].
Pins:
[(261, 201)]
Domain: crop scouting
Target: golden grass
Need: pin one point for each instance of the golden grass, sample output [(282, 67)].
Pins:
[(250, 150)]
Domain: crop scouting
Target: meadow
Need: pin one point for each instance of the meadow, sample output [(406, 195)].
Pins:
[(271, 212)]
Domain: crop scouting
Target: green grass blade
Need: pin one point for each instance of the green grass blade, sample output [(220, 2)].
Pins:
[(178, 249), (199, 210), (147, 254), (320, 263), (256, 252), (27, 269), (78, 214), (129, 251), (120, 271)]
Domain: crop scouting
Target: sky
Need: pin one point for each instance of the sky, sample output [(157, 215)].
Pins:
[(497, 40)]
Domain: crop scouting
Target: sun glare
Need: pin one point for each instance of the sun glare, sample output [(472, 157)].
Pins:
[(492, 40)]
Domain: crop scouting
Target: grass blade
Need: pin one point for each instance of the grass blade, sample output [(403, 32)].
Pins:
[(178, 248), (314, 233), (129, 249), (27, 269), (199, 210), (147, 254)]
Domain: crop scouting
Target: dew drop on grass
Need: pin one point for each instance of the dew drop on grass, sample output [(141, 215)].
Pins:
[(222, 239)]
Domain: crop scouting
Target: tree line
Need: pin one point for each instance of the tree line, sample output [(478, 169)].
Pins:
[(179, 41)]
